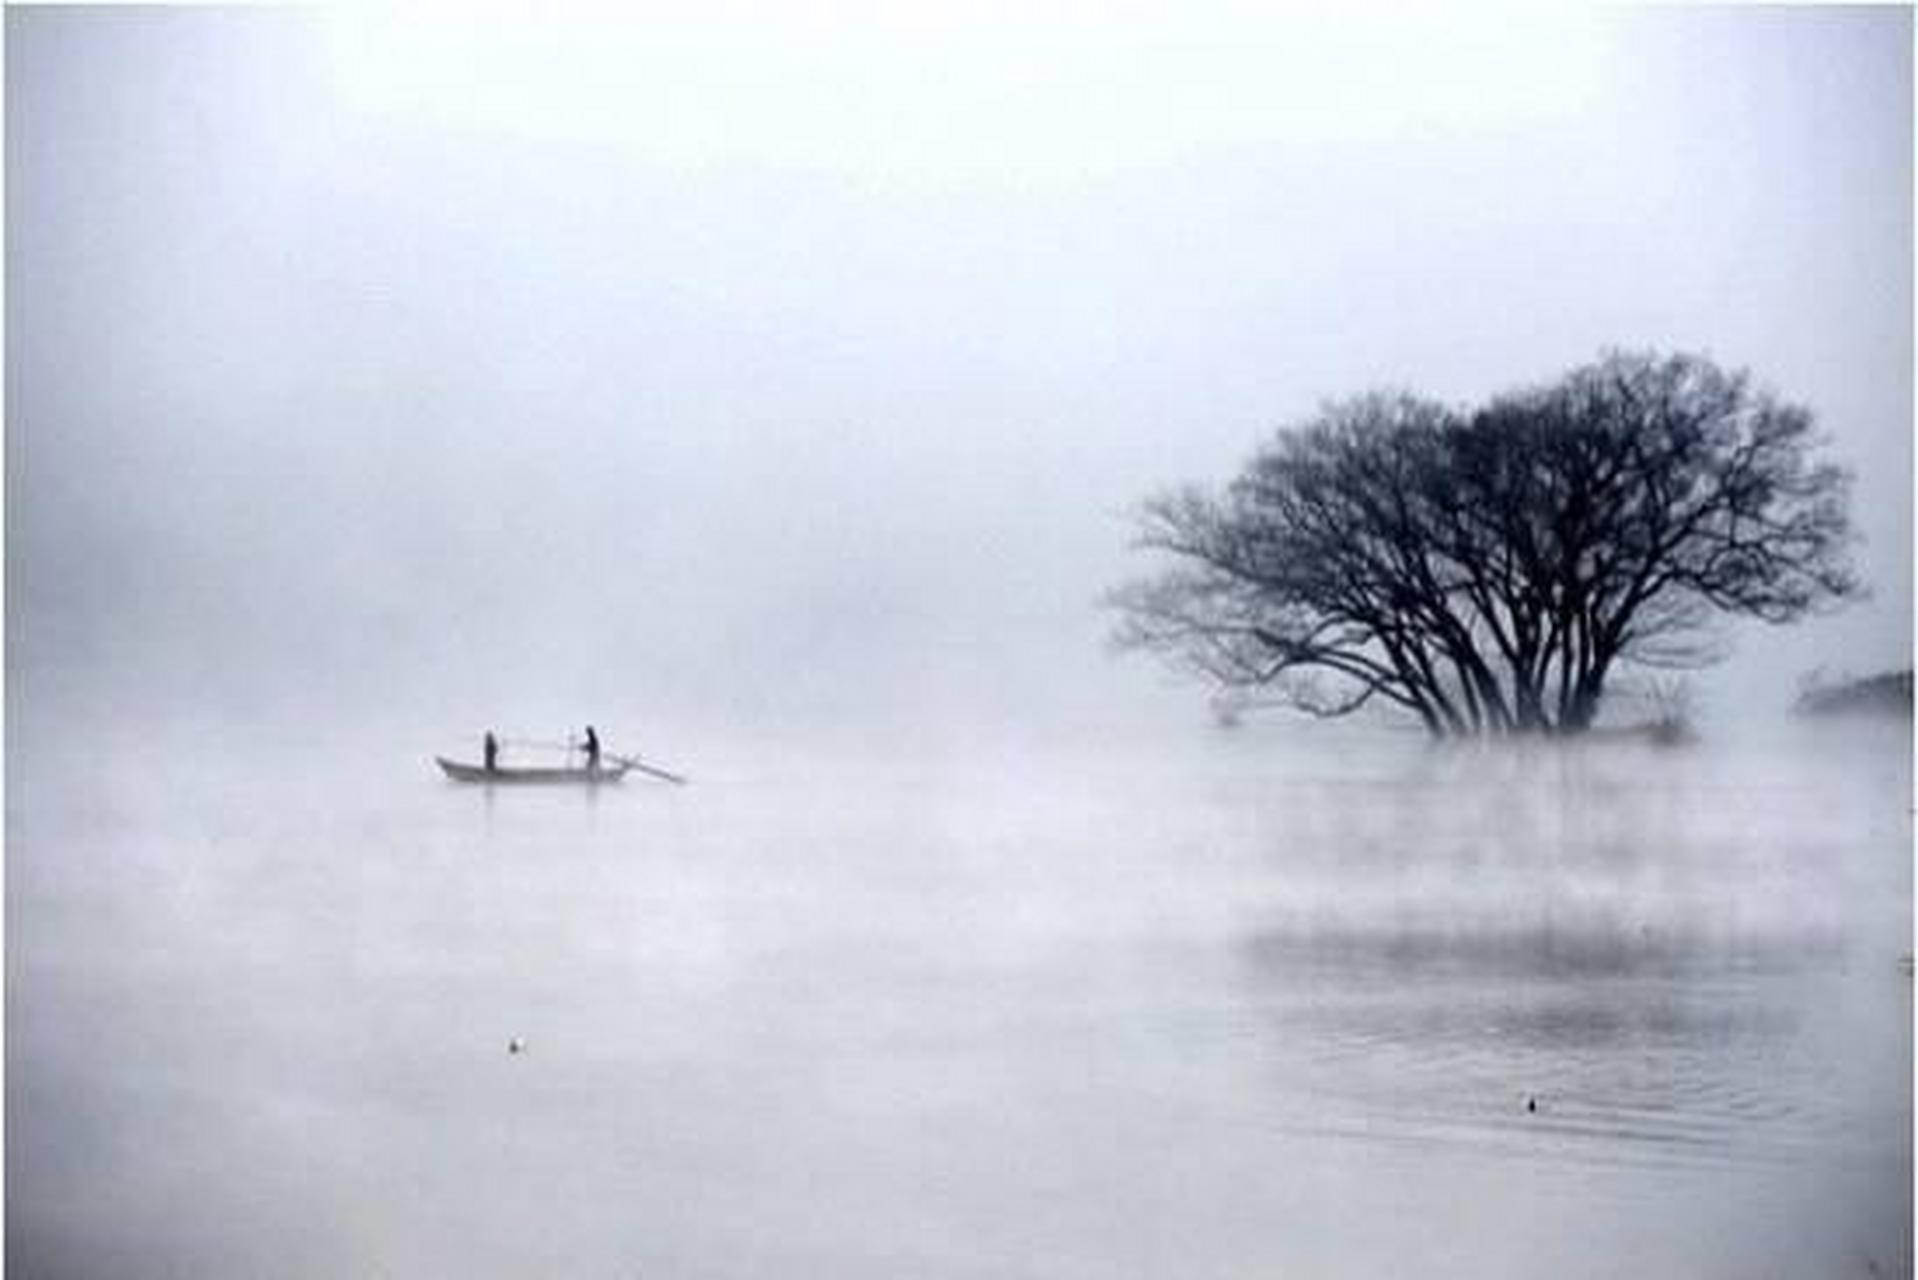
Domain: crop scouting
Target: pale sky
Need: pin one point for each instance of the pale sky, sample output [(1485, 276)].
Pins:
[(743, 369)]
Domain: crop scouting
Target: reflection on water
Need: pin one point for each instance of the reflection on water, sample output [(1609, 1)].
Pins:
[(1230, 1005)]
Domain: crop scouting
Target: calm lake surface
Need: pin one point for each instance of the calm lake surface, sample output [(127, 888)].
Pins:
[(1271, 1002)]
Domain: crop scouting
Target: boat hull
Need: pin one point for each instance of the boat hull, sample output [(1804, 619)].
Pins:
[(460, 772)]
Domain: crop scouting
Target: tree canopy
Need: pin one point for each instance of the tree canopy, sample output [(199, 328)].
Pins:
[(1488, 570)]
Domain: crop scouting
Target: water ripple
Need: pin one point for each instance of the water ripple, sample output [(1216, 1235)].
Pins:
[(1671, 1054)]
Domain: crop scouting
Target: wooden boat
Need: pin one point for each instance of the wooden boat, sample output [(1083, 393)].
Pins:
[(459, 772)]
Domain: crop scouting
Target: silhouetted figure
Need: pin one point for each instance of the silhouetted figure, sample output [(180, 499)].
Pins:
[(492, 752), (592, 749)]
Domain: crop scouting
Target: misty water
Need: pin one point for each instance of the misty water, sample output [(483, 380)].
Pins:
[(1287, 1000)]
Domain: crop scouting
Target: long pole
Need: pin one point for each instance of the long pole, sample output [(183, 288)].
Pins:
[(661, 774)]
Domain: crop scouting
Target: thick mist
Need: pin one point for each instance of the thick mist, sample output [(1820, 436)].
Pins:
[(756, 372)]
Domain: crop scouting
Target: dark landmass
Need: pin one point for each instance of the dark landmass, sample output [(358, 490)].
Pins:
[(1888, 695)]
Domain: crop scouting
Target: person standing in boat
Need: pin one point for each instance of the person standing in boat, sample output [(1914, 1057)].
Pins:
[(492, 752), (592, 750)]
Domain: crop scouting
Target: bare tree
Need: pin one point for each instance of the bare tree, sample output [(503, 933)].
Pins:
[(1488, 571)]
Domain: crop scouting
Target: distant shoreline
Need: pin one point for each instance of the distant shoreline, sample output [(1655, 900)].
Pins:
[(1887, 694)]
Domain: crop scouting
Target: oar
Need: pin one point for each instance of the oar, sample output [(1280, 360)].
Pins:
[(661, 774)]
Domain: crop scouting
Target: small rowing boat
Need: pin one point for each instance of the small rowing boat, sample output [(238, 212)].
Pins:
[(459, 772)]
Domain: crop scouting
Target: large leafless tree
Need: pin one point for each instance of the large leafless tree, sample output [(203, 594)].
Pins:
[(1489, 571)]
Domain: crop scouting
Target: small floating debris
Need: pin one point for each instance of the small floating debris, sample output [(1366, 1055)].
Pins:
[(516, 1045), (1531, 1106)]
